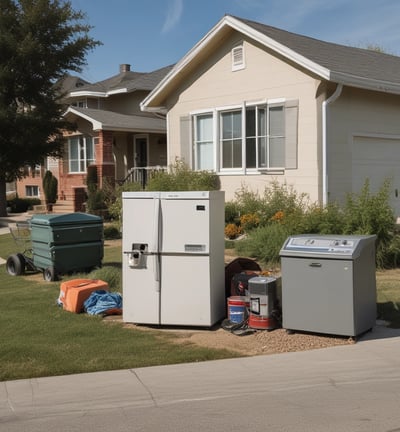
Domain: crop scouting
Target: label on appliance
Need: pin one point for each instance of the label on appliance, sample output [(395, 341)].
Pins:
[(200, 207), (195, 248)]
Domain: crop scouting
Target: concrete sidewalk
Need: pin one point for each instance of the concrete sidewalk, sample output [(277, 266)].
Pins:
[(345, 388)]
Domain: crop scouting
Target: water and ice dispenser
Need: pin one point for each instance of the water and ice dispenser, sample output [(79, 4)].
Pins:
[(329, 284), (138, 256)]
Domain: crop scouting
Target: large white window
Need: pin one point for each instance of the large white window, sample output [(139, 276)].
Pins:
[(81, 153), (251, 138)]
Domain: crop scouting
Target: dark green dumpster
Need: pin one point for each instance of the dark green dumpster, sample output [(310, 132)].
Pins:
[(64, 243)]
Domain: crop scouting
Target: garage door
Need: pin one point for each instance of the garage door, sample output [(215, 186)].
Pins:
[(377, 159)]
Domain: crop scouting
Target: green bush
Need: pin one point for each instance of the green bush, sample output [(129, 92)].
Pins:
[(109, 274), (115, 201), (283, 212), (21, 205), (232, 212), (50, 187), (264, 243), (181, 178), (111, 232)]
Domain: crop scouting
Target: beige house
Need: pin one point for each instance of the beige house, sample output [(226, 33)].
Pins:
[(255, 104)]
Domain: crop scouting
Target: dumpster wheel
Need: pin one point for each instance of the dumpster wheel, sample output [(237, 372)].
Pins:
[(49, 274)]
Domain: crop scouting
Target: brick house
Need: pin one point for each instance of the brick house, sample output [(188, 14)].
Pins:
[(111, 133)]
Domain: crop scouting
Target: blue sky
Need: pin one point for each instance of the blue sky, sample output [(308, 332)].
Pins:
[(150, 34)]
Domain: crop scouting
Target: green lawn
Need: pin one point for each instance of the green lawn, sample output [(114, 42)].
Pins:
[(38, 338)]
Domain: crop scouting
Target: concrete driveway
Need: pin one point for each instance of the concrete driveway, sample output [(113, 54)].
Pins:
[(346, 388)]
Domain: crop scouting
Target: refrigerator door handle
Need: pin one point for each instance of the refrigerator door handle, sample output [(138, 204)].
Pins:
[(157, 273), (156, 243), (156, 227)]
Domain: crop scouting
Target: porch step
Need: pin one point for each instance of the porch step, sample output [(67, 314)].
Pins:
[(63, 206)]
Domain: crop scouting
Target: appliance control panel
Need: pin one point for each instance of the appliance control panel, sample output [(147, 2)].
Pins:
[(336, 245)]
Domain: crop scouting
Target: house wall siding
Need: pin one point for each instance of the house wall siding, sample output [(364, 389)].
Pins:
[(265, 76), (358, 112)]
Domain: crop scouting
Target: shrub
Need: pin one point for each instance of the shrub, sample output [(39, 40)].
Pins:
[(181, 178), (249, 221), (111, 232), (50, 186), (21, 205), (232, 231), (109, 274), (232, 212), (264, 243), (115, 200)]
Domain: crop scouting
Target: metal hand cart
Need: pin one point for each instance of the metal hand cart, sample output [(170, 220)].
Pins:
[(21, 261)]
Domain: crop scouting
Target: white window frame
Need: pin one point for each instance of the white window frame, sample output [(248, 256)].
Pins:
[(82, 160), (217, 141), (32, 188)]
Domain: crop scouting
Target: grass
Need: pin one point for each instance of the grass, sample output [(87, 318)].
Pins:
[(38, 338)]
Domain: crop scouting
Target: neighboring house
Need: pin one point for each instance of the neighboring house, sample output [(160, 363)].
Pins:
[(255, 104), (112, 133)]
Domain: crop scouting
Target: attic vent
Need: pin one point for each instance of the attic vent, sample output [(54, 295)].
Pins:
[(238, 58)]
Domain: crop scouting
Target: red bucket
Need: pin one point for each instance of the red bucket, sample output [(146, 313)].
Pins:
[(237, 308)]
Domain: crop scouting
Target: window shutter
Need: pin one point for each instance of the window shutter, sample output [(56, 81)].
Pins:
[(291, 126), (185, 140)]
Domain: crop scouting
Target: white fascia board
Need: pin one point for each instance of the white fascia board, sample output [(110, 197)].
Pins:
[(88, 93), (365, 83), (96, 124), (97, 94)]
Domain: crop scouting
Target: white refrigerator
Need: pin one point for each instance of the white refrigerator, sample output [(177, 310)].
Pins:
[(173, 258)]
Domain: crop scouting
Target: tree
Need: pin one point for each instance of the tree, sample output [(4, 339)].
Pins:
[(41, 41)]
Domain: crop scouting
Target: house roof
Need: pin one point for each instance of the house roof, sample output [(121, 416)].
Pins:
[(341, 64), (109, 120), (124, 82)]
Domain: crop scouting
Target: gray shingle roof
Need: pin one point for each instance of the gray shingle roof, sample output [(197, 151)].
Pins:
[(339, 59), (109, 120), (129, 80)]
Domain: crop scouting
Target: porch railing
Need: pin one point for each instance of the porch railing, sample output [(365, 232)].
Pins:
[(141, 175)]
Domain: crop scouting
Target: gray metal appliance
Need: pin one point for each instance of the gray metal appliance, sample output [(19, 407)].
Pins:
[(329, 284)]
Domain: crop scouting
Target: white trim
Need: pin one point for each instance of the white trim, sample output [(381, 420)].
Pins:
[(97, 93), (325, 105)]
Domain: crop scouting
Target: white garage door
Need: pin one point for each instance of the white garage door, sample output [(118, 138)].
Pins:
[(377, 159)]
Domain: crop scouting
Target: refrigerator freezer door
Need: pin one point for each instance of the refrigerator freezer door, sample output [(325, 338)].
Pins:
[(185, 226), (141, 283)]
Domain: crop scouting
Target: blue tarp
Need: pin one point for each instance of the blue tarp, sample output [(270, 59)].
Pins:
[(101, 301)]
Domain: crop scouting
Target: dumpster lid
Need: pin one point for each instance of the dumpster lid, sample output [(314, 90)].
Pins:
[(65, 219)]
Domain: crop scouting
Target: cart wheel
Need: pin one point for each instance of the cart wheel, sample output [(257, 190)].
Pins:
[(49, 274), (15, 265)]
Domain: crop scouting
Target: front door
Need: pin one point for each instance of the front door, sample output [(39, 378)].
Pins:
[(141, 149)]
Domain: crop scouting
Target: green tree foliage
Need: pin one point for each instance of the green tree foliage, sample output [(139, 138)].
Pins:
[(50, 186), (40, 42)]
